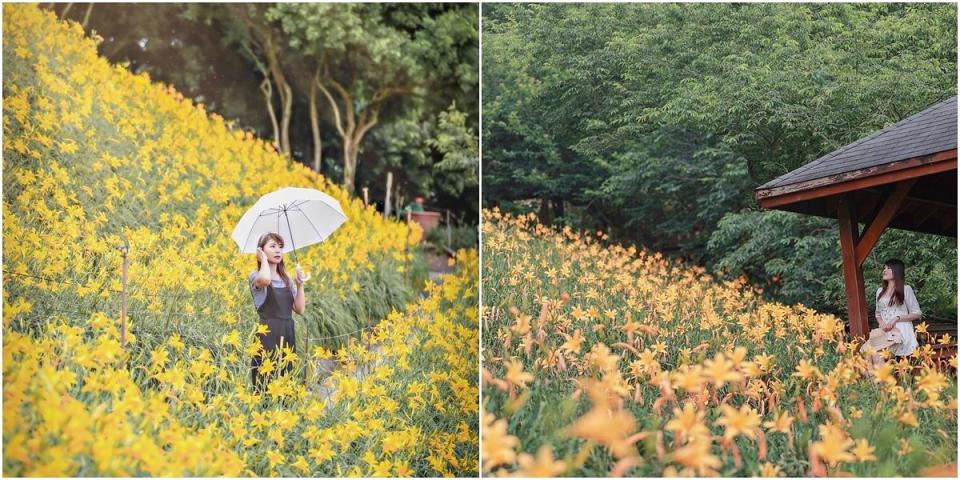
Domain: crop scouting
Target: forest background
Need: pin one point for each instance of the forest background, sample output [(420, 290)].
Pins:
[(352, 90), (655, 122)]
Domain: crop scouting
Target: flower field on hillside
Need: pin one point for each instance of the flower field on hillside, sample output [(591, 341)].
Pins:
[(76, 404), (93, 155), (605, 360)]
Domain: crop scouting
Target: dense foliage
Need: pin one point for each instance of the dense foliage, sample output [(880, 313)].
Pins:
[(655, 122), (259, 66)]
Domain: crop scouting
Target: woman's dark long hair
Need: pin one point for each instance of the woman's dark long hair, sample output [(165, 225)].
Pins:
[(280, 268), (896, 266)]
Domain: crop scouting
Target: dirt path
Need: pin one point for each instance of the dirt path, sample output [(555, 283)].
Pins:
[(437, 266)]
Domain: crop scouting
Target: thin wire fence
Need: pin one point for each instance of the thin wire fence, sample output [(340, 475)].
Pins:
[(167, 295), (189, 335), (333, 337)]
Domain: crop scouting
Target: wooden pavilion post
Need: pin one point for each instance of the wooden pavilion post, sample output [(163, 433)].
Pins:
[(852, 272), (882, 163), (855, 246)]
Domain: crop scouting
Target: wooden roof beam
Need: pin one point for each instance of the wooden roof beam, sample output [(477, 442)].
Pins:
[(872, 232), (925, 215), (861, 179), (917, 200)]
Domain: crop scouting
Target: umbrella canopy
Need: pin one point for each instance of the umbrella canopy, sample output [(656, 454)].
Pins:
[(302, 216)]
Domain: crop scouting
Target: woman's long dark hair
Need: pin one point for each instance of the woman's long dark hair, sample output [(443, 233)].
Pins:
[(280, 268), (896, 266)]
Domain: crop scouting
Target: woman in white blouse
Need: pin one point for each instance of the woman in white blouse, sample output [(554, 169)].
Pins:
[(897, 308)]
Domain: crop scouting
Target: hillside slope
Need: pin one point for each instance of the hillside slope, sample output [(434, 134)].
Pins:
[(94, 154), (601, 360)]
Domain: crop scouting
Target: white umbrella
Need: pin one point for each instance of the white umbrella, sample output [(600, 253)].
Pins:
[(304, 216)]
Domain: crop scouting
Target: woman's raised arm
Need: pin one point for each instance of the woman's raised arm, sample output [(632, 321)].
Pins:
[(263, 275)]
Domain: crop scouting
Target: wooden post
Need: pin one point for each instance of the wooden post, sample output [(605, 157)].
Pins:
[(366, 197), (309, 364), (872, 231), (406, 251), (123, 295), (386, 202), (449, 234), (852, 273)]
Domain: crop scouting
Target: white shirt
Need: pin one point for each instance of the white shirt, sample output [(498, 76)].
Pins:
[(889, 313)]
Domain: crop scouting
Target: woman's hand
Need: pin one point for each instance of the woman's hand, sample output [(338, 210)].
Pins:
[(301, 276), (261, 255)]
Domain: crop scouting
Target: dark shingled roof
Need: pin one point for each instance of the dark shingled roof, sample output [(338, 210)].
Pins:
[(930, 131)]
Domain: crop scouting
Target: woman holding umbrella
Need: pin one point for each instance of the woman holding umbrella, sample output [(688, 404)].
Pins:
[(306, 216), (276, 298)]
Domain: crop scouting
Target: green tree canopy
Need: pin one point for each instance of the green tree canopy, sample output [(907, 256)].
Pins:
[(260, 65), (656, 121)]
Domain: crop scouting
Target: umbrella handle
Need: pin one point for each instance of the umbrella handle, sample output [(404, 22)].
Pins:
[(306, 276)]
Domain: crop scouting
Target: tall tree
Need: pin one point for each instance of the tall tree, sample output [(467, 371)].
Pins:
[(361, 65), (247, 26), (587, 101), (367, 56), (658, 120), (209, 53)]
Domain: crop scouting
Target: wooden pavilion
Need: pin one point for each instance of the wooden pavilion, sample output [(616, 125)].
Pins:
[(904, 176)]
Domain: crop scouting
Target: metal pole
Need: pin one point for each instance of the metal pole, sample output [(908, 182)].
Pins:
[(292, 243)]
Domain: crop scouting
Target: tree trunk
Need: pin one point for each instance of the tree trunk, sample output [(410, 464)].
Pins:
[(287, 114), (557, 206), (263, 38), (349, 165), (545, 217), (283, 89), (353, 126), (86, 16), (66, 10), (267, 88), (346, 132), (315, 123)]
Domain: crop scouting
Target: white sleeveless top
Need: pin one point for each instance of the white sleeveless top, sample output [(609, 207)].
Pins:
[(888, 313)]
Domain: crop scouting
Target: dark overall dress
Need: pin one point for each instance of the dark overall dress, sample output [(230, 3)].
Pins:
[(277, 314)]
